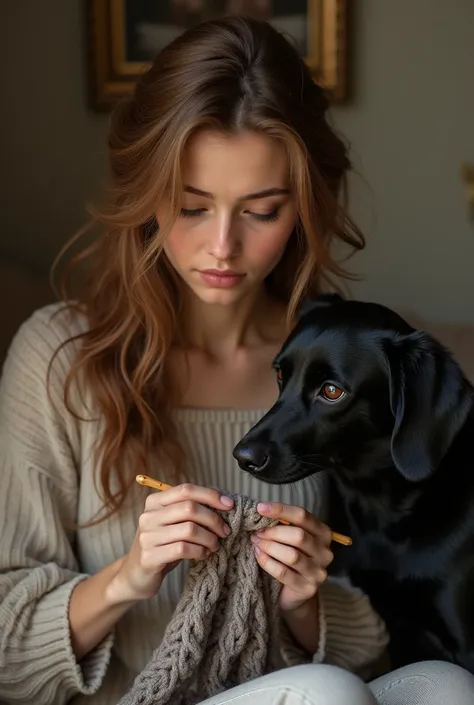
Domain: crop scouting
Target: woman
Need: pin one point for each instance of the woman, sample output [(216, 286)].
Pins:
[(225, 178)]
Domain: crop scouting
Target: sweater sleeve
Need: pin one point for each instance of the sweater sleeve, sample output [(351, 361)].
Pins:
[(39, 457), (352, 635)]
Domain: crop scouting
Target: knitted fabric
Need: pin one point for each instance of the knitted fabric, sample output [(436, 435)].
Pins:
[(225, 629)]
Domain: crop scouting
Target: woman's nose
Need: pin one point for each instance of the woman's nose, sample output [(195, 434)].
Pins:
[(224, 242)]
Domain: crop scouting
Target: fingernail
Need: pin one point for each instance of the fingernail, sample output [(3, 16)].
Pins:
[(227, 529), (257, 550), (227, 501), (264, 506), (254, 539)]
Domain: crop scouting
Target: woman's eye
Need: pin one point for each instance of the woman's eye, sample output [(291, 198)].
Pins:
[(331, 392), (265, 217), (191, 212)]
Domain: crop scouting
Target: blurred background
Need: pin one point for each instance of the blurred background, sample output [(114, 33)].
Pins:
[(410, 122)]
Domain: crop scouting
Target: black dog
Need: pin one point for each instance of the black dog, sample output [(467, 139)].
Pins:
[(389, 413)]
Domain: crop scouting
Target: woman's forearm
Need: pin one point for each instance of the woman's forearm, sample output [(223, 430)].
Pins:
[(95, 608), (303, 623)]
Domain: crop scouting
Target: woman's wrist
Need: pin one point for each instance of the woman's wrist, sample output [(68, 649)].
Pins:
[(303, 624), (129, 585), (118, 592)]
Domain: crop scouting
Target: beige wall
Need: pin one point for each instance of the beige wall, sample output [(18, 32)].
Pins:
[(411, 125), (52, 146)]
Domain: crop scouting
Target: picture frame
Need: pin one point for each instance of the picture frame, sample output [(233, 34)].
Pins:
[(124, 35)]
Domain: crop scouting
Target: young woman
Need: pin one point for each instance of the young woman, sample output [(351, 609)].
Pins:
[(225, 178)]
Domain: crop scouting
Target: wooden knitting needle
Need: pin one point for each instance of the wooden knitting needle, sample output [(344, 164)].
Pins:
[(154, 484), (146, 481)]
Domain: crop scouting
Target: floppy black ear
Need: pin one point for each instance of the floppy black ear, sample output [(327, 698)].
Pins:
[(320, 301), (430, 399)]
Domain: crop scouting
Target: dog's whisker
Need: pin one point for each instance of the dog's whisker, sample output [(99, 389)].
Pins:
[(312, 466), (312, 456)]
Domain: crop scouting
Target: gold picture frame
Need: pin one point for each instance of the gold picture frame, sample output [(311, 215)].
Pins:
[(114, 68)]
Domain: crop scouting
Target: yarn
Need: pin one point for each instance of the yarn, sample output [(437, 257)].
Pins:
[(226, 628)]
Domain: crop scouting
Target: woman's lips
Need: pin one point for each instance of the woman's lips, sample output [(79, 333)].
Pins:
[(222, 279)]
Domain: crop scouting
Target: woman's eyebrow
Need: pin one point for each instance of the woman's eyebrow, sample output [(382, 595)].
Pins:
[(266, 193)]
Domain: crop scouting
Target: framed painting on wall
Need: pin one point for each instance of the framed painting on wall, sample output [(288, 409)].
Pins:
[(124, 36)]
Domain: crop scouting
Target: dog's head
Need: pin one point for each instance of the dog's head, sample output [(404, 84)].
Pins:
[(357, 383)]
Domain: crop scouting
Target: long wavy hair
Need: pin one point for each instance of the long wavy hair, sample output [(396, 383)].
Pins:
[(228, 75)]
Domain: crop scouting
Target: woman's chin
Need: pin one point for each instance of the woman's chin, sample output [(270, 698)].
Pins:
[(222, 296), (215, 297)]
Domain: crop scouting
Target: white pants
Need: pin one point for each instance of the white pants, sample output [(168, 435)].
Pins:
[(427, 683)]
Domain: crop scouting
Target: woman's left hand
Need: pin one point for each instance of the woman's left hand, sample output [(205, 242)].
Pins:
[(297, 556)]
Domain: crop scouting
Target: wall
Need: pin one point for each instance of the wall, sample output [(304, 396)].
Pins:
[(52, 146), (410, 124), (411, 127)]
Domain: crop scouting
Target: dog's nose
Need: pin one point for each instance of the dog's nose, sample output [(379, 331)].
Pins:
[(251, 456)]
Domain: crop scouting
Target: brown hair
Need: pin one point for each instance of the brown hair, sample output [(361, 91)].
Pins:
[(229, 74)]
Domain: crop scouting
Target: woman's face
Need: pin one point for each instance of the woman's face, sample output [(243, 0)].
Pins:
[(237, 214)]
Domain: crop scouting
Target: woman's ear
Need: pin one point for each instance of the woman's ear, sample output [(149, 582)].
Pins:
[(430, 399)]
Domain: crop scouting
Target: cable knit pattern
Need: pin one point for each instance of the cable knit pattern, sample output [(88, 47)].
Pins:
[(225, 628), (47, 483)]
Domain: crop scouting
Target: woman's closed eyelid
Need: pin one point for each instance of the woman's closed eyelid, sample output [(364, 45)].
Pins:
[(263, 217), (192, 212)]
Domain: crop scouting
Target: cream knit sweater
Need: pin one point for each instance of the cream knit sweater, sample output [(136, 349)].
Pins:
[(47, 480)]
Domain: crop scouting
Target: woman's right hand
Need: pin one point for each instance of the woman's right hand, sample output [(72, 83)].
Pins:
[(175, 525)]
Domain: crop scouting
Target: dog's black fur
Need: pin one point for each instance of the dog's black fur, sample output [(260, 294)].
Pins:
[(399, 448)]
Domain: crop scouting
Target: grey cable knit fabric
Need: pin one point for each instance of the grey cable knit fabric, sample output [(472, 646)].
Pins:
[(225, 629)]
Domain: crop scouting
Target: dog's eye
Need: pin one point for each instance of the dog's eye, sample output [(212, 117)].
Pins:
[(331, 392)]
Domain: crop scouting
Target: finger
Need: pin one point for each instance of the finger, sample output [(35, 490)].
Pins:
[(153, 559), (187, 531), (188, 491), (310, 569), (186, 511), (300, 539), (283, 573), (297, 516), (288, 555)]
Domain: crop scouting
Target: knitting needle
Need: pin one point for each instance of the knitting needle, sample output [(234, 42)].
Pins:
[(146, 481), (154, 484)]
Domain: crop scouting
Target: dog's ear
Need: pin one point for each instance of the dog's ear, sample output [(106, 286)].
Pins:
[(316, 302), (430, 399)]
